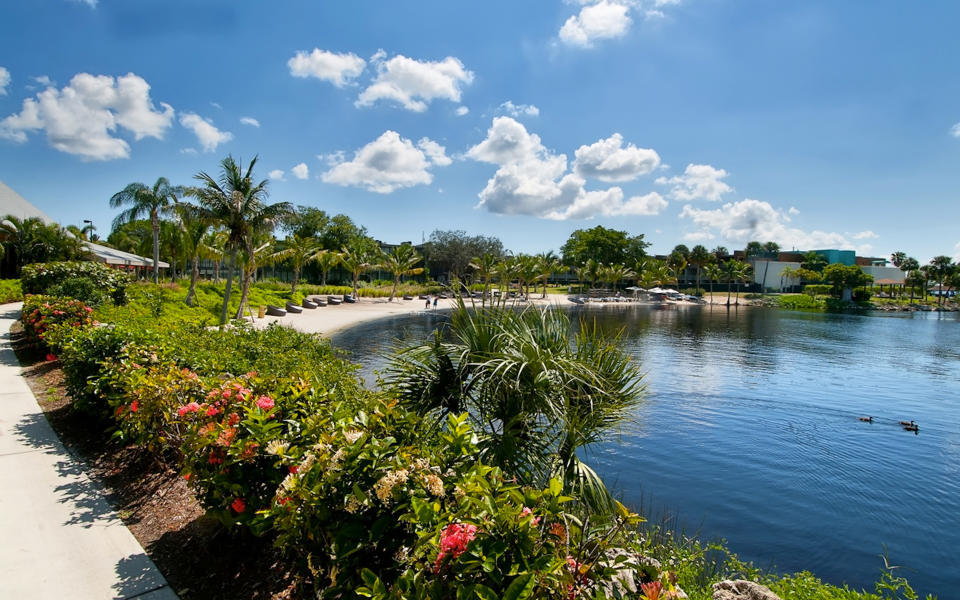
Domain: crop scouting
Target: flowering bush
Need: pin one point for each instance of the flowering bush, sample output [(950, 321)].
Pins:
[(41, 313)]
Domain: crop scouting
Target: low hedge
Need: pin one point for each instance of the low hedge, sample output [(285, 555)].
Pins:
[(40, 314), (84, 276), (10, 291)]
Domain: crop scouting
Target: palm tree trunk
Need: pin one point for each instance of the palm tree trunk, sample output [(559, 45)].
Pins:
[(247, 277), (296, 279), (155, 226), (698, 280), (194, 275), (323, 278), (216, 270), (226, 292), (729, 282), (356, 277), (393, 292)]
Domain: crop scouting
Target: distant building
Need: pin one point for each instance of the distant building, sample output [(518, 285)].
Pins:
[(768, 268)]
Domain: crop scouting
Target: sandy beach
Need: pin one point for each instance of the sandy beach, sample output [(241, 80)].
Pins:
[(327, 320)]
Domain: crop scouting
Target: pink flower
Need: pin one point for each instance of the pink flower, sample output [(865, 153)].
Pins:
[(188, 408), (454, 540), (526, 512), (651, 590), (233, 419), (238, 505), (212, 411), (51, 357), (88, 309), (265, 402), (226, 393)]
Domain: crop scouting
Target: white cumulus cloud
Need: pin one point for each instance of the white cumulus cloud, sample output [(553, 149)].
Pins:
[(250, 121), (532, 180), (276, 175), (748, 219), (414, 84), (301, 171), (4, 81), (82, 118), (207, 134), (955, 130), (608, 160), (519, 110), (338, 69), (865, 235), (434, 151), (462, 110), (698, 182), (599, 21), (386, 164)]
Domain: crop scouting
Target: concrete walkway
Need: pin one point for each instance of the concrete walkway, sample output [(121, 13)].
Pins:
[(59, 537)]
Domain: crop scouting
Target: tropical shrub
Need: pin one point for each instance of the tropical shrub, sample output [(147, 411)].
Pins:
[(39, 278), (799, 302), (40, 313), (80, 288), (818, 289), (10, 291)]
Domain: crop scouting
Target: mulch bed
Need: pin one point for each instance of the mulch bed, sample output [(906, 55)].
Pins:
[(198, 557)]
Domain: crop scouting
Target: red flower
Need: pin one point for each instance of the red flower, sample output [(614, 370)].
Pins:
[(212, 411), (558, 530), (294, 468), (454, 540), (51, 357), (188, 408), (265, 402), (226, 393), (233, 419), (651, 590), (238, 505), (186, 476), (134, 406), (526, 512), (88, 309)]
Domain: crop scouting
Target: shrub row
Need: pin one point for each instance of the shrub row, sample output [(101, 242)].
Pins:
[(10, 291), (276, 436), (88, 281), (41, 314)]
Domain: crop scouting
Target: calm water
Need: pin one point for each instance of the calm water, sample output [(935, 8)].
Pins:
[(749, 433)]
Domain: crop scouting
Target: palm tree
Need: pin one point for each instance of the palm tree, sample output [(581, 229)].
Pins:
[(300, 251), (528, 270), (910, 266), (194, 226), (212, 248), (720, 253), (326, 260), (147, 202), (677, 263), (485, 267), (31, 240), (506, 271), (533, 396), (736, 271), (402, 261), (617, 273), (548, 263), (788, 273), (898, 258), (699, 257), (714, 272), (356, 261), (237, 203), (941, 268)]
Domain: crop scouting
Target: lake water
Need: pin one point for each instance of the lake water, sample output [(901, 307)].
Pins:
[(749, 433)]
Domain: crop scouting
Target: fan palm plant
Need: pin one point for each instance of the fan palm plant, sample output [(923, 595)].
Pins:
[(146, 202), (534, 398), (355, 260), (402, 261), (299, 251), (236, 202), (326, 260)]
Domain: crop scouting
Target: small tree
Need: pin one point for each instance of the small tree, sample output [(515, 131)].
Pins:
[(402, 261)]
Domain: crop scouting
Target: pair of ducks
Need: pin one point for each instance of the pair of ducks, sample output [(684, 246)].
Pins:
[(907, 425)]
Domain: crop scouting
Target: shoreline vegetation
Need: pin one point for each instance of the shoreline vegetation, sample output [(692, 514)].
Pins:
[(253, 463)]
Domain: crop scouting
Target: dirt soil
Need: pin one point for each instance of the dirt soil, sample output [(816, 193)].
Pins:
[(198, 557)]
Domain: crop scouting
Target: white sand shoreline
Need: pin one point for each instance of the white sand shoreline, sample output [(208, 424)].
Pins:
[(329, 320)]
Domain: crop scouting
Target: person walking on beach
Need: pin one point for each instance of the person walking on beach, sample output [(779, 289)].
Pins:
[(427, 307), (435, 298)]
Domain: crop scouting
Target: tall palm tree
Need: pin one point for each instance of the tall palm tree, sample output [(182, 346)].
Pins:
[(299, 251), (528, 272), (910, 266), (617, 273), (237, 203), (212, 248), (326, 260), (941, 267), (699, 257), (714, 272), (506, 271), (735, 271), (898, 258), (146, 202), (788, 273), (677, 263), (195, 225), (402, 261), (355, 260), (485, 268), (547, 263)]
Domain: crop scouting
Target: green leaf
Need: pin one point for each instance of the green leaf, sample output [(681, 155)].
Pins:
[(520, 588), (556, 486), (485, 593)]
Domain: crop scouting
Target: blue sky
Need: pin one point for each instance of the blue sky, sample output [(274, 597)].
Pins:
[(814, 124)]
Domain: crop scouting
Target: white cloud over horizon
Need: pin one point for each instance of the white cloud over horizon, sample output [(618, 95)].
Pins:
[(82, 118), (532, 180), (338, 69), (207, 134), (388, 163), (608, 160), (698, 182), (414, 84), (748, 220)]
